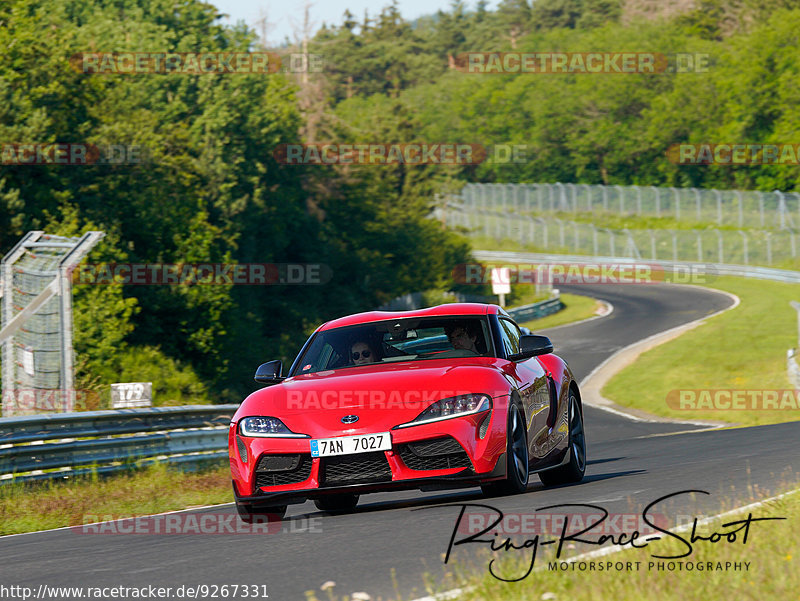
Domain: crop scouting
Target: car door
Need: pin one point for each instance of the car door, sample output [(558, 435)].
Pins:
[(534, 388)]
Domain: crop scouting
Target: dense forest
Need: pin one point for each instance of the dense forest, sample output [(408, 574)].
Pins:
[(211, 189)]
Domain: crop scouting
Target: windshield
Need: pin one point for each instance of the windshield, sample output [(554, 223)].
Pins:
[(397, 340)]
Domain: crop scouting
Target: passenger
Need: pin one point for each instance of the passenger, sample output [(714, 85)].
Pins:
[(362, 353)]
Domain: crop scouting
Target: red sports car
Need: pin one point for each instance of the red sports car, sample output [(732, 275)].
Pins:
[(446, 397)]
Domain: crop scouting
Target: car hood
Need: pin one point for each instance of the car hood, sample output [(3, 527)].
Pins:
[(382, 396)]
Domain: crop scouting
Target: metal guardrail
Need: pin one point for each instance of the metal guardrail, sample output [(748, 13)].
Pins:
[(536, 310), (67, 444)]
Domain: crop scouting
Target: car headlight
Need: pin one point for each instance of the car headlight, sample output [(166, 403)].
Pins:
[(456, 406), (266, 426)]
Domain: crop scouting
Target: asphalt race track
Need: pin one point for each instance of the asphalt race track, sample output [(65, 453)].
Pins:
[(631, 463)]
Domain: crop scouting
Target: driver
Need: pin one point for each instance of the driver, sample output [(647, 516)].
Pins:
[(462, 336)]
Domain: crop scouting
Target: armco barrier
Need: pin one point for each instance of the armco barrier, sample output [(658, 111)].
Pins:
[(58, 445), (536, 310)]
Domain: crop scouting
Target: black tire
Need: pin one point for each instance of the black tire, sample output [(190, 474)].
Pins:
[(574, 470), (339, 503), (260, 515), (516, 458)]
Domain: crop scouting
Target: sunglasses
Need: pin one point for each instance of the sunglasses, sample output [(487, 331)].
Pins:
[(365, 354)]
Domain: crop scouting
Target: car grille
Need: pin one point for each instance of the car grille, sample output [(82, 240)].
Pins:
[(436, 454), (362, 468), (274, 470)]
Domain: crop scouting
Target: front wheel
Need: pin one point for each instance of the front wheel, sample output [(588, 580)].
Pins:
[(574, 470), (516, 458), (260, 515)]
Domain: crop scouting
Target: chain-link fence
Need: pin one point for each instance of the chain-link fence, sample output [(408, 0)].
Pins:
[(36, 324), (746, 247), (738, 208)]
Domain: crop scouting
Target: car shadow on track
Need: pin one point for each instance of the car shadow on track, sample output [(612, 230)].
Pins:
[(467, 495)]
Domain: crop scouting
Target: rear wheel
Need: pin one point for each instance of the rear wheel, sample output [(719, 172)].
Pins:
[(260, 515), (574, 470), (516, 458), (339, 503)]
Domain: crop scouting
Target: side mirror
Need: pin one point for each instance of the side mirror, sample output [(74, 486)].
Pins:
[(531, 345), (269, 373)]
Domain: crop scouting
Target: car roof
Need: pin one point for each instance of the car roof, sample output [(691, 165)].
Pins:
[(447, 310)]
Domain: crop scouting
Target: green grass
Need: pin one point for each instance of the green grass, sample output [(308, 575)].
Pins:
[(40, 506), (613, 220), (742, 349), (576, 308)]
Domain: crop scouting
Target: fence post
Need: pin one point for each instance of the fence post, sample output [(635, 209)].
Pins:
[(741, 211), (638, 201), (781, 208), (621, 200), (658, 201), (594, 240), (719, 245), (699, 247), (697, 199), (761, 206), (674, 245), (576, 237), (769, 248), (744, 239), (677, 198), (605, 198), (718, 194)]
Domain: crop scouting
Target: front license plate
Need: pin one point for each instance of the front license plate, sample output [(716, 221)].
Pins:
[(347, 445)]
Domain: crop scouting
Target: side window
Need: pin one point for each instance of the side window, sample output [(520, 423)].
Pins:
[(510, 333)]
